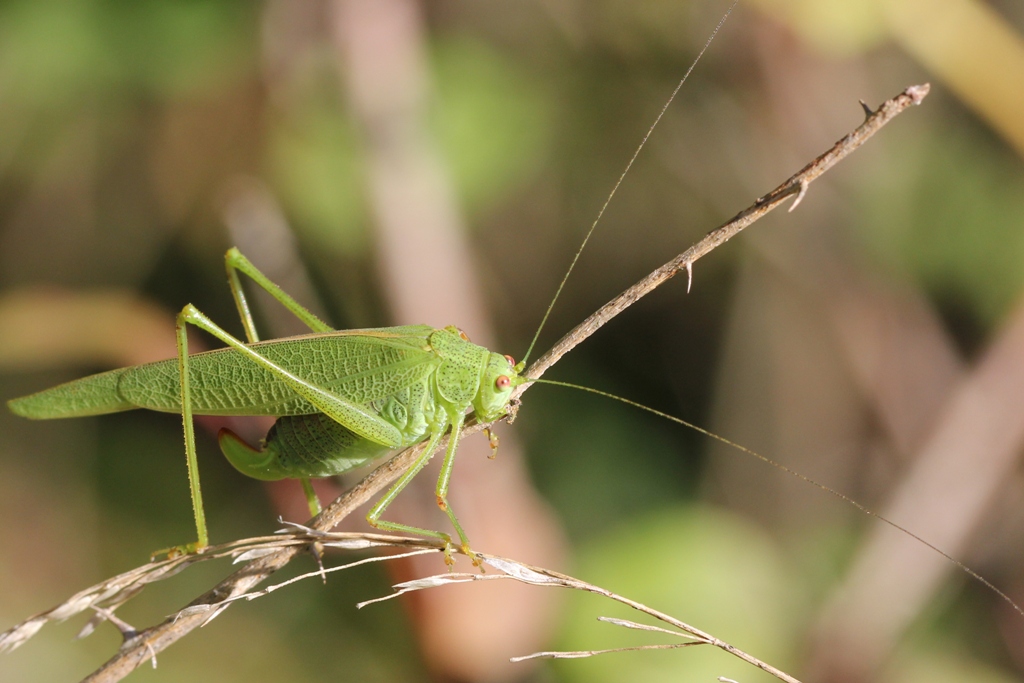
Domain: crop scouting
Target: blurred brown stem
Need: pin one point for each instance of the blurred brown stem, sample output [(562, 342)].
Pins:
[(383, 56), (148, 643)]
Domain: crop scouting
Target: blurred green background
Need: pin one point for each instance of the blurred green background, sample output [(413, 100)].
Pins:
[(139, 140)]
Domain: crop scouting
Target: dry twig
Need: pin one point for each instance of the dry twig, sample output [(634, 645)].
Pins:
[(106, 596)]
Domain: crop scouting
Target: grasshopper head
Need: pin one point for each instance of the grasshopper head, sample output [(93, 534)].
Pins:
[(499, 378)]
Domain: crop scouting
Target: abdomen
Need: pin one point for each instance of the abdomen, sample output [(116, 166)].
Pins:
[(301, 446)]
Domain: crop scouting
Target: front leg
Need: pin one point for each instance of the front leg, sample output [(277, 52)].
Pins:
[(373, 516), (443, 481)]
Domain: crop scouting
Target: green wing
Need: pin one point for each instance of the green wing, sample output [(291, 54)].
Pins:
[(93, 395), (361, 366)]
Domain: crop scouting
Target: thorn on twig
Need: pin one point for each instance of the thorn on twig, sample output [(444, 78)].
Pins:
[(215, 612), (293, 527), (103, 614), (152, 654), (800, 195), (868, 112), (689, 276), (316, 549)]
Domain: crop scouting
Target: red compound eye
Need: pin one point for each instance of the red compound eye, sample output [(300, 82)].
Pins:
[(502, 382), (510, 359)]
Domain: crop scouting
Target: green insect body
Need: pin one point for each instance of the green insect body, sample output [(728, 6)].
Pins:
[(393, 372), (342, 398)]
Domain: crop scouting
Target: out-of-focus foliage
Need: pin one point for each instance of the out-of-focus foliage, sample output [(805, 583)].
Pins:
[(836, 27), (493, 120), (939, 666), (924, 223), (314, 160), (124, 126), (54, 53)]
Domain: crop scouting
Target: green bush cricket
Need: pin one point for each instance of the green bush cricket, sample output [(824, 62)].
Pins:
[(342, 398)]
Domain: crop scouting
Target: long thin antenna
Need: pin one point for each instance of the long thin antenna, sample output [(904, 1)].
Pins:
[(960, 565), (622, 177)]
